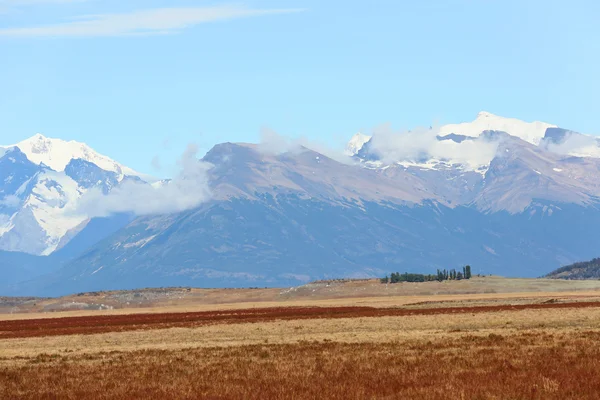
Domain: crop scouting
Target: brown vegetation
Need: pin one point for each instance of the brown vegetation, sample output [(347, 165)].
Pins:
[(121, 323), (541, 365)]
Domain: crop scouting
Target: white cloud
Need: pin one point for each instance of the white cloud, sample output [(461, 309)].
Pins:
[(187, 190), (274, 143), (575, 144), (141, 23), (422, 144)]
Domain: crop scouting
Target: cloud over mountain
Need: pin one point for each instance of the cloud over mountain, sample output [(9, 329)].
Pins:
[(574, 144), (187, 190), (423, 144), (274, 143)]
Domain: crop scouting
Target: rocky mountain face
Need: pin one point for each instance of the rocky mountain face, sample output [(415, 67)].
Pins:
[(505, 196)]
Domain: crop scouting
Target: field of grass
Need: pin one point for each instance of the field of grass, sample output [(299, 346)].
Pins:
[(526, 365), (460, 346), (330, 293)]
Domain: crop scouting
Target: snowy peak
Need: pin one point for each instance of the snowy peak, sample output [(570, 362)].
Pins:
[(356, 143), (57, 153), (532, 132), (469, 146), (41, 179)]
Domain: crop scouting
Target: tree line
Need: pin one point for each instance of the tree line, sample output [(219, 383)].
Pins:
[(442, 275)]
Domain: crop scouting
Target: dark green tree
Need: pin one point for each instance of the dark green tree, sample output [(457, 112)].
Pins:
[(468, 272), (385, 280)]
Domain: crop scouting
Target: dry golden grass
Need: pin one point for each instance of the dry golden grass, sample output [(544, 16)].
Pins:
[(421, 301), (515, 366), (351, 293), (347, 330)]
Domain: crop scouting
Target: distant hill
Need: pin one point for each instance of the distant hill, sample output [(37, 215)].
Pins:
[(579, 270)]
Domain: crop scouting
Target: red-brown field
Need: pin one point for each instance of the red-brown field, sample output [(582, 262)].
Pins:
[(120, 323), (518, 366)]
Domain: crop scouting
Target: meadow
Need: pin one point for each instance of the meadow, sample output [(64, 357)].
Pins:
[(514, 345)]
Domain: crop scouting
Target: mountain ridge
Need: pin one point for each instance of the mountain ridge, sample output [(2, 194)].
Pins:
[(283, 216)]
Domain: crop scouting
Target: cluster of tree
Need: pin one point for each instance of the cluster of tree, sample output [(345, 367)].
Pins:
[(442, 275)]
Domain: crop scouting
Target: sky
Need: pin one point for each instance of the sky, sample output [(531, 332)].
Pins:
[(141, 80)]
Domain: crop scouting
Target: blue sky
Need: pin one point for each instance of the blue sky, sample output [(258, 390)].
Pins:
[(138, 80)]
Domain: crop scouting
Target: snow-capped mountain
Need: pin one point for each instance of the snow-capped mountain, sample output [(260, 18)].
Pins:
[(57, 153), (287, 218), (458, 164), (356, 143), (531, 132), (496, 192), (469, 146), (40, 181)]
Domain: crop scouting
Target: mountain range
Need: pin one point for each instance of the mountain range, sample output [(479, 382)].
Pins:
[(505, 196)]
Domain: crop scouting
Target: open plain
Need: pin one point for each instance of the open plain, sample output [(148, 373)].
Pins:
[(490, 338)]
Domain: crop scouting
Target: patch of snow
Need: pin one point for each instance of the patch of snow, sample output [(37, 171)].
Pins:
[(356, 143), (23, 187), (5, 224), (139, 243), (483, 170), (429, 164), (437, 165), (531, 132), (557, 169), (374, 164), (50, 202)]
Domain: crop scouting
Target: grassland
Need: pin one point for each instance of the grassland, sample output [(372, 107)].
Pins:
[(512, 345), (518, 366), (330, 293)]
